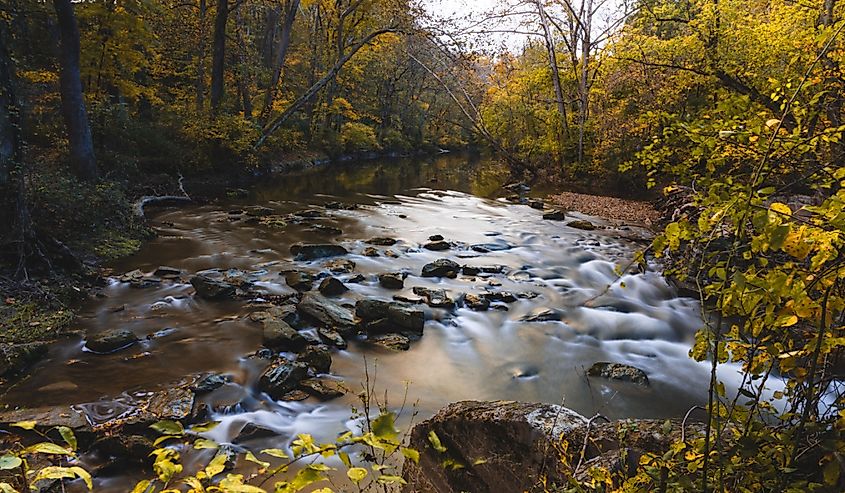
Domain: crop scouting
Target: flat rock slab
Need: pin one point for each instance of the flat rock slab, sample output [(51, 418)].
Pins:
[(313, 252), (326, 311)]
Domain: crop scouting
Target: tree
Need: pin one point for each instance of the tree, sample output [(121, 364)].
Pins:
[(75, 115), (290, 9), (218, 62)]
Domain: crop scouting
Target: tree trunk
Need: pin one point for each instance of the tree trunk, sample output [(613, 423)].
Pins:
[(200, 82), (584, 82), (73, 101), (243, 73), (218, 64), (291, 9), (269, 37), (550, 48)]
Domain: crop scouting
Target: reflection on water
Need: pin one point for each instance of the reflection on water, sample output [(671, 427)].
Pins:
[(464, 354)]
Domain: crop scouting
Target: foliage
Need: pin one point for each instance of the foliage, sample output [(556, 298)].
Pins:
[(18, 475), (358, 137)]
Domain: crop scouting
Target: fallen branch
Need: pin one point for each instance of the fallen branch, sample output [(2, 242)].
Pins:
[(161, 200)]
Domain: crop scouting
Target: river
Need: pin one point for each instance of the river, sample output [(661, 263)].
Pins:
[(637, 319)]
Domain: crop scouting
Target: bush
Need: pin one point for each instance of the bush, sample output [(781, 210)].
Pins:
[(357, 137)]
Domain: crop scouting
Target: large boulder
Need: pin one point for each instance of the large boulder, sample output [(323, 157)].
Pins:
[(212, 289), (316, 251), (277, 334), (490, 446), (110, 342), (395, 315), (332, 286), (326, 311), (441, 268)]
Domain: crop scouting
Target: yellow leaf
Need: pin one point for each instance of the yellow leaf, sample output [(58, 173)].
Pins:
[(48, 448), (781, 208), (357, 474), (216, 466), (26, 425)]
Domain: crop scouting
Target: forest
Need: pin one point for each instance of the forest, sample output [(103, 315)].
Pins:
[(630, 208)]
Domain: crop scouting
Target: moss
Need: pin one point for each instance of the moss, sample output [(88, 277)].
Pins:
[(114, 244), (22, 322)]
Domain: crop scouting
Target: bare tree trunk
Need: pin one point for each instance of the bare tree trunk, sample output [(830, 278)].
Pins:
[(73, 101), (584, 83), (200, 82), (550, 48), (268, 40), (218, 65), (243, 73), (291, 9)]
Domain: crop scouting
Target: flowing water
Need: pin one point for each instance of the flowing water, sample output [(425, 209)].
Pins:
[(463, 354)]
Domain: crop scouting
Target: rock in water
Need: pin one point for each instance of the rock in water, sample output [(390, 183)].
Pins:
[(476, 302), (396, 342), (212, 289), (555, 215), (331, 286), (326, 311), (332, 337), (395, 315), (392, 280), (318, 358), (281, 336), (300, 281), (542, 315), (536, 204), (382, 241), (111, 341), (370, 252), (313, 252), (441, 268), (323, 389), (281, 378), (435, 298), (501, 446), (437, 246), (618, 371), (340, 266), (585, 225)]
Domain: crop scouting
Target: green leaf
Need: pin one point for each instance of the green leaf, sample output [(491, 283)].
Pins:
[(48, 448), (434, 440), (388, 479), (26, 425), (252, 458), (356, 474), (56, 472), (411, 454), (216, 466), (169, 427), (274, 452), (203, 443), (9, 462), (202, 428), (68, 436), (384, 427), (7, 488)]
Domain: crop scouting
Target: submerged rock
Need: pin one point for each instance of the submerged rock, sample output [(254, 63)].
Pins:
[(313, 252), (396, 342), (331, 286), (619, 371), (326, 311), (441, 268), (212, 382), (382, 241), (212, 289), (476, 302), (340, 266), (472, 270), (281, 378), (554, 215), (392, 280), (542, 315), (585, 225), (286, 313), (435, 298), (437, 246), (110, 342), (491, 247), (300, 281), (323, 389)]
